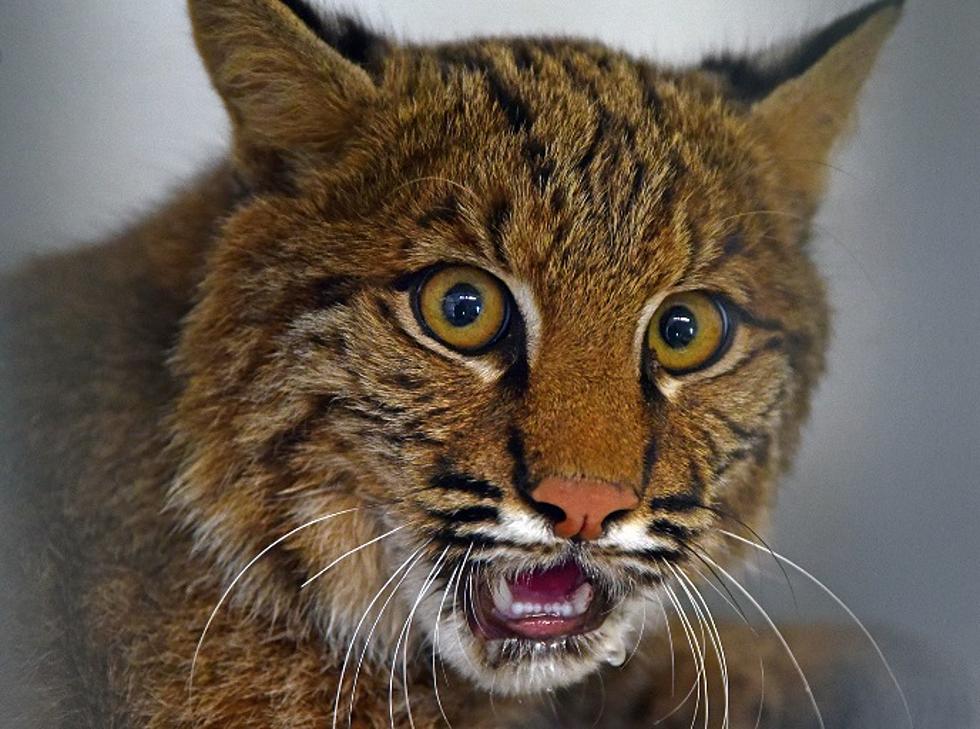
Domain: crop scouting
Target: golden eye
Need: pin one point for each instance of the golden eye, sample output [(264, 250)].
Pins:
[(462, 307), (688, 332)]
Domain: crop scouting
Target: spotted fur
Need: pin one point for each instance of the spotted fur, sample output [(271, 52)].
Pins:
[(248, 361)]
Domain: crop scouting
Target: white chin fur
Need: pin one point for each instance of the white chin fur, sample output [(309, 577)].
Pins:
[(534, 668)]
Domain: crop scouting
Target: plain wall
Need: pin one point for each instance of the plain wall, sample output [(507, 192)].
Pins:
[(104, 107)]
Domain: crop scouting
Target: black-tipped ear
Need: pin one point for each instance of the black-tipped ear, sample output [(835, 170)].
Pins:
[(295, 82), (802, 97), (345, 34), (752, 78)]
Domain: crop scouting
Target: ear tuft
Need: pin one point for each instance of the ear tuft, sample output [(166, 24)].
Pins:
[(753, 78), (345, 34), (802, 97)]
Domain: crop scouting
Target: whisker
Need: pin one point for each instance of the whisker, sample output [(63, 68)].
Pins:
[(256, 558), (374, 626), (350, 552), (782, 640), (702, 622), (639, 637), (734, 606), (357, 629), (762, 692), (730, 599), (430, 580), (691, 641), (843, 606), (725, 515), (450, 586), (670, 642), (459, 624), (716, 641)]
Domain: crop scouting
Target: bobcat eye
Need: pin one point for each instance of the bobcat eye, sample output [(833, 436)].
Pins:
[(688, 332), (462, 307)]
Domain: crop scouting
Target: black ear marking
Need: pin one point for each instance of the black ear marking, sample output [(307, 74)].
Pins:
[(345, 34), (754, 77)]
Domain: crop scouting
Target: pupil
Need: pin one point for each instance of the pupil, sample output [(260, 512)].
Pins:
[(678, 327), (462, 305)]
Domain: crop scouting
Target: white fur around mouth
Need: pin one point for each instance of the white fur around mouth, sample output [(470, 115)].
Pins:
[(573, 606)]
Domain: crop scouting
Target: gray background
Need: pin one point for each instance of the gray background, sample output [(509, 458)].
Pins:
[(103, 108)]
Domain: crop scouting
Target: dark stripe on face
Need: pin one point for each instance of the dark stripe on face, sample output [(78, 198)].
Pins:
[(738, 431), (448, 536), (497, 220), (773, 344), (396, 328), (590, 153), (660, 553), (520, 474), (649, 460), (677, 531), (281, 445), (467, 515), (542, 168), (676, 503), (518, 115), (639, 177), (453, 481), (523, 57), (516, 376)]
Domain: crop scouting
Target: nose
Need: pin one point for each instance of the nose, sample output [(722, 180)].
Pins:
[(584, 504)]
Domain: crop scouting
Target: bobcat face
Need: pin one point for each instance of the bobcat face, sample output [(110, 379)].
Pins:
[(539, 312)]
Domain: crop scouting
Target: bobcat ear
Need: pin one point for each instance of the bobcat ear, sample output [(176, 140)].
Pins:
[(802, 95), (294, 83)]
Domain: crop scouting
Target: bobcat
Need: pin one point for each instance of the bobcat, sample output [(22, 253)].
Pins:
[(441, 401)]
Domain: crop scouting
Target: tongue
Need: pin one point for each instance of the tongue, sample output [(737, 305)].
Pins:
[(550, 585)]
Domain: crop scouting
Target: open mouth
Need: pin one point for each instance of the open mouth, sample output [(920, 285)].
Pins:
[(542, 605)]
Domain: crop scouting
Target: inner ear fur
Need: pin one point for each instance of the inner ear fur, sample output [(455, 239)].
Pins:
[(802, 95), (295, 82)]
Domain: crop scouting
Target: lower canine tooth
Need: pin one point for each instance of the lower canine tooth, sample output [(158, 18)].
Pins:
[(581, 599), (502, 598)]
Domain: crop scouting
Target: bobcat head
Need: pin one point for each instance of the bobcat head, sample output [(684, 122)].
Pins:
[(501, 333)]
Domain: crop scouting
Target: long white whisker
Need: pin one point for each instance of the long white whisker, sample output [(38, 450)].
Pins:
[(430, 580), (460, 623), (450, 586), (670, 643), (639, 637), (703, 623), (723, 596), (256, 558), (374, 627), (762, 693), (716, 641), (691, 641), (357, 630), (843, 606), (779, 635), (350, 552)]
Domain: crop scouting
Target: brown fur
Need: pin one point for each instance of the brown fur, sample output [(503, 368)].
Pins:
[(246, 361)]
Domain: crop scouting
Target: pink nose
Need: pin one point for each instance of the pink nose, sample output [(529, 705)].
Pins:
[(585, 504)]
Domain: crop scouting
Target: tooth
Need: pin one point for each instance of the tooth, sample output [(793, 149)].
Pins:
[(582, 598), (566, 610), (502, 598)]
